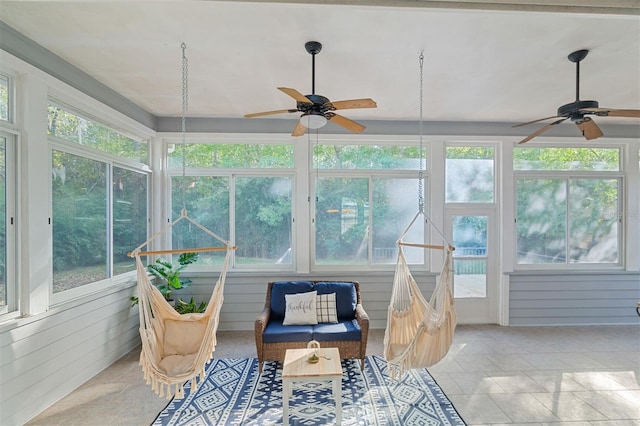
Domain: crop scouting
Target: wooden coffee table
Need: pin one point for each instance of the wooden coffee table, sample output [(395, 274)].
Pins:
[(296, 368)]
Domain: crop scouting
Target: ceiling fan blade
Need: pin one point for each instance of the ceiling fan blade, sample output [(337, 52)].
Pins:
[(590, 129), (610, 112), (299, 130), (260, 114), (296, 95), (535, 121), (346, 123), (541, 130), (351, 104)]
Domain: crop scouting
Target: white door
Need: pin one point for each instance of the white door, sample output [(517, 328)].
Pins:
[(475, 284)]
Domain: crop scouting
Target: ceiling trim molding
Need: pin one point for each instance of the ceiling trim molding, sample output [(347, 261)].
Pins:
[(384, 127)]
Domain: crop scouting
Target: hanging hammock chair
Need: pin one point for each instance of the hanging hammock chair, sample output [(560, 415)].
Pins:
[(175, 347), (419, 333)]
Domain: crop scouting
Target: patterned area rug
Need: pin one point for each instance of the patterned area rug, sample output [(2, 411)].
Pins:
[(235, 394)]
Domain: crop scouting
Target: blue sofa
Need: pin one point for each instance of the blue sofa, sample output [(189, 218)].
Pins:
[(349, 334)]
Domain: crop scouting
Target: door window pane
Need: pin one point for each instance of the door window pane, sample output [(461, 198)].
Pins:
[(79, 221), (129, 216), (470, 174), (470, 256), (263, 220), (342, 221)]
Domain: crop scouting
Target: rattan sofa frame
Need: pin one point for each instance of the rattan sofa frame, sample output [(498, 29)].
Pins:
[(349, 349)]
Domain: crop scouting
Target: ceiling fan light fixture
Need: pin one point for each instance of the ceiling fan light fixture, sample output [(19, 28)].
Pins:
[(313, 121)]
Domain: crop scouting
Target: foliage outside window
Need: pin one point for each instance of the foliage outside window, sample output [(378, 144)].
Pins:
[(470, 174), (85, 223), (5, 104), (72, 127), (359, 212), (263, 216), (206, 200), (567, 217), (368, 157), (79, 221), (129, 206), (263, 220), (567, 159), (226, 156)]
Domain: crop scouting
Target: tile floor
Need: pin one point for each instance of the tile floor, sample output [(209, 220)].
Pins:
[(578, 376)]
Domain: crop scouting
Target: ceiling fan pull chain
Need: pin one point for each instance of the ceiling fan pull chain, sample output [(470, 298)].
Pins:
[(421, 172)]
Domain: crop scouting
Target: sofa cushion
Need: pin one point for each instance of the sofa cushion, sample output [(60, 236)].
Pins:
[(275, 332), (346, 297), (344, 330), (280, 288)]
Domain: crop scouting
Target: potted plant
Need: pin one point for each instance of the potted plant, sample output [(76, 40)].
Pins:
[(168, 274), (168, 279)]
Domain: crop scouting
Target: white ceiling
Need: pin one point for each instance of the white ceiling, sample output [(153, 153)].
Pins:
[(480, 65)]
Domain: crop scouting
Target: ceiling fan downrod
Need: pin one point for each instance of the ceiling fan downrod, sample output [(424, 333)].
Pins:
[(313, 47), (576, 57)]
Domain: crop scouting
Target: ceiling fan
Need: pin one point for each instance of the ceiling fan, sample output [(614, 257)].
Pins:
[(317, 109), (579, 110)]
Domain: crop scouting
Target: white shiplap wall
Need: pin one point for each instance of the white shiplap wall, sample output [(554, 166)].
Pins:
[(45, 357), (574, 298)]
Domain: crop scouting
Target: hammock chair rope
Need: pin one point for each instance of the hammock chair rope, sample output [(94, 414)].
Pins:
[(419, 333), (176, 347)]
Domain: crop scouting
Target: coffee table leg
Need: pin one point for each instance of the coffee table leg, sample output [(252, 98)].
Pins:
[(286, 393), (337, 395)]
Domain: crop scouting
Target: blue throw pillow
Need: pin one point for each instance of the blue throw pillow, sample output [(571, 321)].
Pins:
[(346, 297), (280, 288)]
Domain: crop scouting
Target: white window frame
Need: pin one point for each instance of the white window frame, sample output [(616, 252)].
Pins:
[(12, 296), (232, 174), (568, 175)]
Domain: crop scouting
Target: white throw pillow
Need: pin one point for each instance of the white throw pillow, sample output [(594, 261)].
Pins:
[(300, 309), (326, 308)]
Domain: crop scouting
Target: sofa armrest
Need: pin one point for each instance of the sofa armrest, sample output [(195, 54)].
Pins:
[(363, 320), (261, 323)]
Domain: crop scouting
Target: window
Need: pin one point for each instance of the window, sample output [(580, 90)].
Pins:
[(568, 204), (79, 221), (71, 126), (5, 98), (243, 193), (227, 156), (99, 201), (470, 174), (8, 285), (365, 197), (130, 222)]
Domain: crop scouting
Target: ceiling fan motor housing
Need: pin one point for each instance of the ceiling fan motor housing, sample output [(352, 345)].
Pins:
[(318, 105), (573, 110)]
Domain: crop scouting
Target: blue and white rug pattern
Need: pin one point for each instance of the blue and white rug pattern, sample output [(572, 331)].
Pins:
[(235, 394)]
